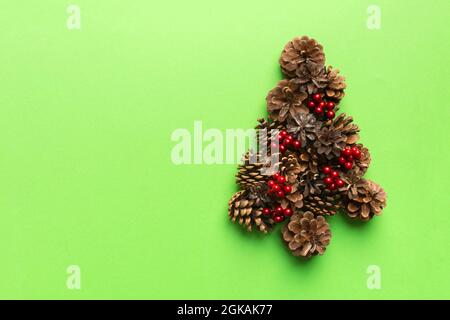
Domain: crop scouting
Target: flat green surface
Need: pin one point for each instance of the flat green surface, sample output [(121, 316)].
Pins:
[(86, 176)]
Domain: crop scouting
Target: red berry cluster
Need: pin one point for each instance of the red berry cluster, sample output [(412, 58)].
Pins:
[(320, 107), (332, 179), (348, 156), (286, 141), (278, 187), (278, 214)]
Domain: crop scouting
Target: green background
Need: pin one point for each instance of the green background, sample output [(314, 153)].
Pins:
[(86, 176)]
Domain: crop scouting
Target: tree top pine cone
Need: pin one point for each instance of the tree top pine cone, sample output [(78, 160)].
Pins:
[(314, 165)]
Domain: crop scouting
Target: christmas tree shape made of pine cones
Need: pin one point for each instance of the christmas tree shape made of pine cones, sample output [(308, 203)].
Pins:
[(320, 164)]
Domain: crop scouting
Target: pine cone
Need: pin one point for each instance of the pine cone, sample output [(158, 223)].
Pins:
[(351, 178), (365, 199), (310, 183), (330, 142), (285, 100), (309, 160), (306, 235), (251, 173), (301, 52), (346, 126), (304, 127), (290, 168), (264, 131), (246, 207), (325, 205), (268, 125), (335, 84), (311, 80)]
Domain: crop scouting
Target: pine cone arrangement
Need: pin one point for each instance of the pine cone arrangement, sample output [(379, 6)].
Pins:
[(319, 165)]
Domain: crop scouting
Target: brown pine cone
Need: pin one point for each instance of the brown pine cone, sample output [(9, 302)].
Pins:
[(351, 178), (309, 160), (285, 100), (245, 208), (251, 173), (310, 183), (268, 125), (345, 125), (290, 168), (311, 80), (365, 199), (335, 84), (264, 131), (301, 52), (325, 205), (330, 141), (306, 235), (304, 127)]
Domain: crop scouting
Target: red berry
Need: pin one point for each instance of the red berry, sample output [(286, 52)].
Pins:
[(350, 159), (328, 181), (326, 170), (279, 210), (334, 174), (332, 186), (271, 183), (296, 144), (356, 152), (289, 137), (287, 189), (347, 152), (276, 188), (276, 175), (281, 179), (283, 133), (317, 97), (287, 141), (282, 148), (318, 110), (322, 104), (339, 183), (280, 137), (280, 194), (348, 165), (288, 212), (311, 104), (266, 211), (278, 218), (330, 114), (330, 105), (342, 160)]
